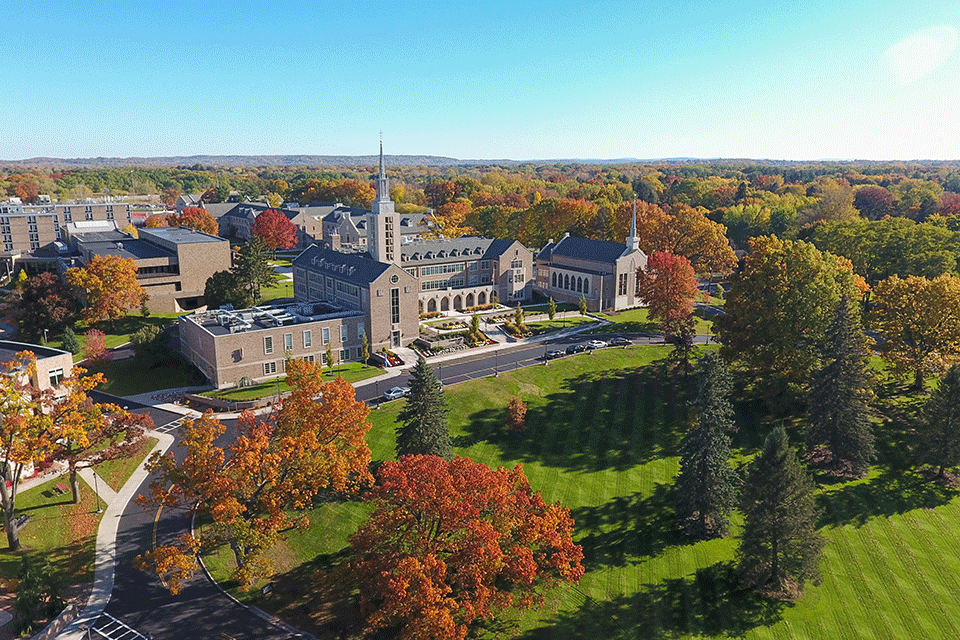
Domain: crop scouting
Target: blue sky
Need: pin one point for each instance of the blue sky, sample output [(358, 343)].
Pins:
[(797, 79)]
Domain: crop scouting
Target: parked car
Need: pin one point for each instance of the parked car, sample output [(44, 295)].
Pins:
[(395, 393), (619, 341), (553, 353), (596, 344), (576, 348)]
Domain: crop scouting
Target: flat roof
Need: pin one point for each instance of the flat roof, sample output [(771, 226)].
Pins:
[(9, 350), (219, 322), (180, 235), (127, 248)]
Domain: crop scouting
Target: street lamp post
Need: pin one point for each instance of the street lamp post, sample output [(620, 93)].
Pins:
[(378, 393), (96, 488), (44, 336), (496, 364)]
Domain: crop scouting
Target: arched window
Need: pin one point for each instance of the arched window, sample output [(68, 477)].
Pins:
[(554, 279), (579, 285), (586, 285), (566, 281)]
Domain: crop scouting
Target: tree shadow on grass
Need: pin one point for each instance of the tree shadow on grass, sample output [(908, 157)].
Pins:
[(596, 421), (628, 528), (891, 493), (710, 603)]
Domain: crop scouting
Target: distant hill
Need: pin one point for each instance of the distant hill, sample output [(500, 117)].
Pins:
[(430, 161)]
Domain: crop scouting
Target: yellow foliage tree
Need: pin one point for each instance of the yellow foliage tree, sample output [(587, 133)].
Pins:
[(918, 321), (108, 286)]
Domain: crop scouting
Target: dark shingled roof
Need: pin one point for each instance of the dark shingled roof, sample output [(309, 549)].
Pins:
[(326, 261), (585, 249), (466, 247)]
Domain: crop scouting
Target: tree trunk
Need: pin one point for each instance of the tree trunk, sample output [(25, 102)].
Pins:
[(775, 564), (9, 520), (918, 380), (75, 485)]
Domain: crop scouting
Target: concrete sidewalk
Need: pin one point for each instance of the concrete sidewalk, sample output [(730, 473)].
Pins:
[(106, 553)]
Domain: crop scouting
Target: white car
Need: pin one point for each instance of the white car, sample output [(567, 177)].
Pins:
[(395, 393), (596, 344)]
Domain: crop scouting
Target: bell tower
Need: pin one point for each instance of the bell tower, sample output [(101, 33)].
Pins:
[(383, 223)]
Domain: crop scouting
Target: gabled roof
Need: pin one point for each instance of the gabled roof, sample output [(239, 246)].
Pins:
[(356, 268), (586, 249)]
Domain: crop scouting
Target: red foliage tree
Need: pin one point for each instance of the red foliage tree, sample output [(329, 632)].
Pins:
[(949, 204), (452, 543), (275, 229), (873, 202), (170, 196), (195, 218), (95, 348), (667, 286)]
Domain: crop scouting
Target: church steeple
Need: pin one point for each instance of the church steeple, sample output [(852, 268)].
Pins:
[(383, 187), (633, 242)]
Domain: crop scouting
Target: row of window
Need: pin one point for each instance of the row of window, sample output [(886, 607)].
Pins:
[(308, 338), (570, 283), (433, 285), (437, 269)]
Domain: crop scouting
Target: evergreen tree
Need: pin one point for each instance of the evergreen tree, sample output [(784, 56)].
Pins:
[(779, 544), (583, 305), (69, 342), (940, 434), (551, 309), (253, 269), (422, 423), (838, 403), (706, 485)]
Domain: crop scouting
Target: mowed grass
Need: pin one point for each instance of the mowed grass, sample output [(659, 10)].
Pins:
[(638, 321), (602, 438)]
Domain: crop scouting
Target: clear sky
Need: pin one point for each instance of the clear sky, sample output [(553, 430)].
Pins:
[(797, 79)]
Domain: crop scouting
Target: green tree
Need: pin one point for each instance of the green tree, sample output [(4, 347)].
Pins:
[(777, 312), (583, 305), (551, 309), (224, 287), (148, 343), (779, 548), (518, 317), (364, 348), (475, 328), (70, 343), (940, 431), (422, 423), (838, 403), (706, 485), (253, 269)]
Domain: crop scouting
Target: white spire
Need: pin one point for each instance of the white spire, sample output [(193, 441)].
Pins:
[(383, 187), (633, 242)]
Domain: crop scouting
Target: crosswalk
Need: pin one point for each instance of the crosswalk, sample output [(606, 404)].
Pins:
[(171, 426), (111, 628)]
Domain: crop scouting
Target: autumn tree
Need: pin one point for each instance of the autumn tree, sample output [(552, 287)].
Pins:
[(683, 231), (194, 218), (264, 481), (422, 423), (667, 286), (873, 202), (778, 310), (453, 543), (44, 302), (918, 321), (779, 548), (95, 347), (275, 230), (155, 221), (706, 484), (108, 286), (940, 430), (516, 414), (838, 403)]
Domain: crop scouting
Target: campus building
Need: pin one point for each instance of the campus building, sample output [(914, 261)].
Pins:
[(53, 365), (173, 263), (604, 273)]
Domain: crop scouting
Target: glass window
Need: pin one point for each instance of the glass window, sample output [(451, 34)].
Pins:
[(344, 333), (308, 338), (326, 335), (56, 375), (269, 368), (268, 344)]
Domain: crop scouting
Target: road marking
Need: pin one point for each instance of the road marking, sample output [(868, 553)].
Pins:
[(114, 629)]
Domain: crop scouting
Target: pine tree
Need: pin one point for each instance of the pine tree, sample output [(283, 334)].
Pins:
[(69, 341), (940, 434), (422, 423), (779, 546), (706, 485), (838, 403)]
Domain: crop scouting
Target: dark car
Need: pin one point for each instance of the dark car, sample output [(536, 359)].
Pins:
[(576, 348), (619, 341), (553, 353)]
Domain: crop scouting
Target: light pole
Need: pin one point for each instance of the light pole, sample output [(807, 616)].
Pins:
[(96, 488), (377, 382), (44, 336), (496, 364)]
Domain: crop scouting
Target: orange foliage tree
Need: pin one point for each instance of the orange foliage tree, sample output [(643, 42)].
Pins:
[(263, 482), (155, 221), (108, 285), (667, 286), (194, 218), (452, 543), (516, 415), (684, 231), (275, 229)]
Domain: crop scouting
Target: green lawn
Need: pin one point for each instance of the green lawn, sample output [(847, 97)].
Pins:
[(602, 438), (130, 377), (557, 324), (351, 372), (637, 321), (283, 289)]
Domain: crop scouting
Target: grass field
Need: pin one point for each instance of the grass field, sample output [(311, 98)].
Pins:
[(127, 377), (351, 372), (637, 321), (602, 439)]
